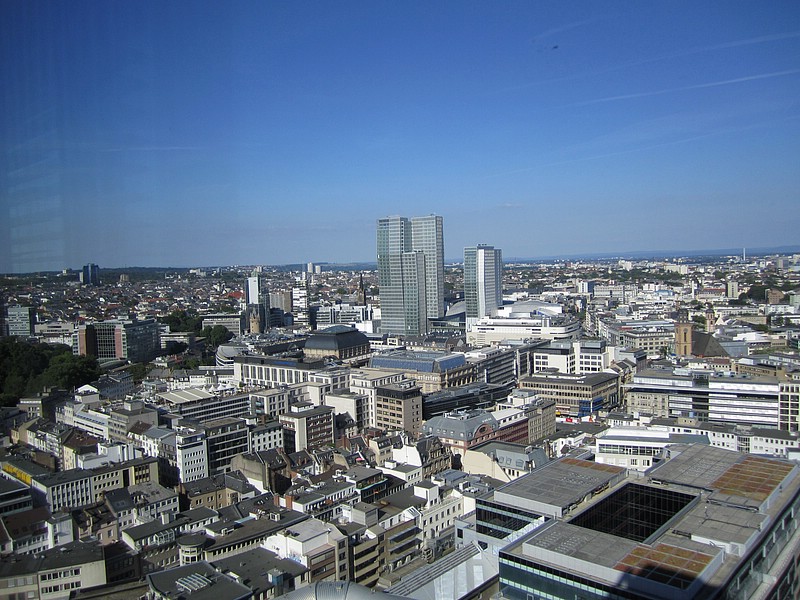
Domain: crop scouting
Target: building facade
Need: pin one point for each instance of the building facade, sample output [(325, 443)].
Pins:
[(483, 281), (410, 273)]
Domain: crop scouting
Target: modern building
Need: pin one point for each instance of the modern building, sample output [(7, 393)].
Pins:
[(567, 356), (399, 408), (257, 300), (21, 321), (300, 308), (483, 282), (789, 402), (410, 273), (225, 438), (495, 365), (306, 426), (704, 523), (494, 330), (358, 406), (708, 396), (232, 322), (90, 274), (202, 406), (576, 395), (465, 397), (136, 341)]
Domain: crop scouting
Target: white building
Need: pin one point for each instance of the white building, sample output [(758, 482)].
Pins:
[(365, 382), (493, 330), (483, 282), (637, 448), (265, 437)]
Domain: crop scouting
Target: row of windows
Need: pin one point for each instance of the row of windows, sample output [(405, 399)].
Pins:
[(60, 574), (629, 450), (74, 585)]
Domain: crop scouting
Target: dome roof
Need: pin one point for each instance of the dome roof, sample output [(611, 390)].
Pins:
[(336, 338)]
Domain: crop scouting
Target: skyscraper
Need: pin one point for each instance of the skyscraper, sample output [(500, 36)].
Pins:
[(90, 275), (483, 281), (410, 273), (257, 300)]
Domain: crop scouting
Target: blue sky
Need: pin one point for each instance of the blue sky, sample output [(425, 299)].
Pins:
[(213, 133)]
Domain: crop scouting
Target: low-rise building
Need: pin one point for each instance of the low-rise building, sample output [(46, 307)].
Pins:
[(317, 546), (55, 574), (575, 395), (307, 426)]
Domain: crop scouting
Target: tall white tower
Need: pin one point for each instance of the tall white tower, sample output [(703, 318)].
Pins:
[(483, 281)]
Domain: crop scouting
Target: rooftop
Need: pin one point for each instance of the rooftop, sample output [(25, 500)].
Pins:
[(683, 529), (198, 581)]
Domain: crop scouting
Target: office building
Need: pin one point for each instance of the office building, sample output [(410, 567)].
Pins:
[(306, 426), (257, 300), (300, 308), (410, 273), (789, 403), (575, 395), (495, 330), (705, 523), (709, 396), (399, 407), (136, 341), (90, 275), (232, 322), (21, 321), (483, 282)]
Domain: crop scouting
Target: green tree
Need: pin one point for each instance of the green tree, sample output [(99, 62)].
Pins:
[(139, 371), (183, 320), (757, 292), (22, 365), (216, 335), (68, 371), (190, 363)]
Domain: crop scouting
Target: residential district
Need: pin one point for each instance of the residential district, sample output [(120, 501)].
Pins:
[(481, 429)]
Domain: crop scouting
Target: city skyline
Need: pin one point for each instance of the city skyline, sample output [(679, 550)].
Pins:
[(155, 135)]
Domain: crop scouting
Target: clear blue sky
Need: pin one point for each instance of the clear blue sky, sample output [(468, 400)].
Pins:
[(211, 133)]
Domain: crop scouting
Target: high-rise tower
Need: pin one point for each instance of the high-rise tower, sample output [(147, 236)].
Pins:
[(410, 273), (483, 281), (257, 299), (90, 275)]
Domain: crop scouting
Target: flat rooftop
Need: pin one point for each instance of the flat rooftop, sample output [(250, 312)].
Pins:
[(679, 532), (555, 487)]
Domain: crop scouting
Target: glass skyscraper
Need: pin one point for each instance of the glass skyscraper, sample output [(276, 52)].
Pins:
[(410, 273), (483, 281)]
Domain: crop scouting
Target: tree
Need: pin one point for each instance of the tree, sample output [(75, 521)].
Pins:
[(68, 371), (22, 365), (183, 320), (139, 371), (757, 292), (216, 335)]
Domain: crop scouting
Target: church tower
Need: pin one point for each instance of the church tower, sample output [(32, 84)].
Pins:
[(683, 334)]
